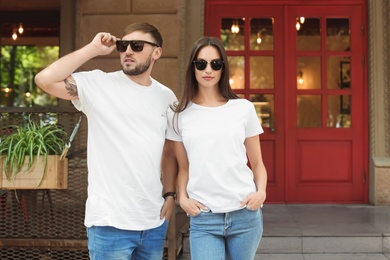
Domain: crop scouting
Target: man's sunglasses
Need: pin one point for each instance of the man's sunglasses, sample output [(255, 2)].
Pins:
[(136, 45), (202, 64)]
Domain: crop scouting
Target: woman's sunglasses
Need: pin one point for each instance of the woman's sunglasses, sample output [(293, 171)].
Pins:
[(202, 64), (136, 45)]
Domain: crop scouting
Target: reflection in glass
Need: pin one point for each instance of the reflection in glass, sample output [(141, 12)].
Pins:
[(309, 111), (309, 73), (262, 35), (261, 72), (308, 34), (264, 105), (338, 72), (339, 111), (337, 34), (237, 72), (232, 34)]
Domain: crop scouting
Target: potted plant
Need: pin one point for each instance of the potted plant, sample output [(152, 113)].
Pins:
[(30, 157)]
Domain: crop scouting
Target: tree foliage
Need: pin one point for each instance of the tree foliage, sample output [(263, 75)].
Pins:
[(18, 66)]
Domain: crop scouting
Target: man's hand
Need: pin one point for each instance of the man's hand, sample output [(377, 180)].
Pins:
[(167, 208), (104, 43)]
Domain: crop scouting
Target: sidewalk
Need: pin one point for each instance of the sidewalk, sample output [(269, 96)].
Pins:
[(322, 232)]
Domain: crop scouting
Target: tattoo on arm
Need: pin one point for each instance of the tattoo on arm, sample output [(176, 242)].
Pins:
[(71, 87)]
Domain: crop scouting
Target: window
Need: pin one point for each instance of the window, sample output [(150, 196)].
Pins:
[(29, 43)]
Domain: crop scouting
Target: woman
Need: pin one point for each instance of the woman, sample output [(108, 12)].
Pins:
[(215, 134)]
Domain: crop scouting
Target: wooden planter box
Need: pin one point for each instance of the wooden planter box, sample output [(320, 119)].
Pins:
[(56, 175)]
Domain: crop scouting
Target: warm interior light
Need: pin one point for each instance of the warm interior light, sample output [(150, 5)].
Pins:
[(14, 36), (302, 19), (235, 28), (258, 40), (298, 26), (6, 90), (300, 77), (20, 29)]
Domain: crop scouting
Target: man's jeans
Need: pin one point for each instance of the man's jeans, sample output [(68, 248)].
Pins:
[(235, 235), (109, 243)]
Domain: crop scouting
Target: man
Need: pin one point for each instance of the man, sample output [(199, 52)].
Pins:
[(127, 207)]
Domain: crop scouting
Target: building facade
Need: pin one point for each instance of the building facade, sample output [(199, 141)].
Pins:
[(328, 142)]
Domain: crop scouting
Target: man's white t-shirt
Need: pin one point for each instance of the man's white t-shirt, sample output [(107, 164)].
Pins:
[(214, 137), (126, 132)]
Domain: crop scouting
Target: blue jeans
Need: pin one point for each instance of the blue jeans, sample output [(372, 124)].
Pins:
[(235, 235), (109, 243)]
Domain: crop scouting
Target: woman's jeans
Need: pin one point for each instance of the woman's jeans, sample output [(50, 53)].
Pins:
[(109, 243), (235, 235)]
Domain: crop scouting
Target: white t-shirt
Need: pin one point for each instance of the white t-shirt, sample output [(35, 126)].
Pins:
[(214, 140), (126, 132)]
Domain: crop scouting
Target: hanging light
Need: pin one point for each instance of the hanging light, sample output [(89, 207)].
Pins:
[(300, 77), (301, 19), (20, 29), (258, 40), (14, 36), (298, 25), (235, 28)]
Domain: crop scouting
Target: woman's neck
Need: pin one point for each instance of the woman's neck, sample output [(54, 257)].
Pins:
[(209, 99)]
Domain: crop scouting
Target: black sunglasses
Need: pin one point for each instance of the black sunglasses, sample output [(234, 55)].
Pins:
[(136, 45), (202, 64)]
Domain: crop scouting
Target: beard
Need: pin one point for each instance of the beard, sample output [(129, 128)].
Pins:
[(139, 68)]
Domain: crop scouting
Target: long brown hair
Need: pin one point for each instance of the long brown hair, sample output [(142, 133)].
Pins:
[(191, 85)]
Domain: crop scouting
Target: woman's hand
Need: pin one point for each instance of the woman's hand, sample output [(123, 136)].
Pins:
[(254, 200), (191, 206)]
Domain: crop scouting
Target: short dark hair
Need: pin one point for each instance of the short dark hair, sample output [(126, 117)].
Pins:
[(146, 28)]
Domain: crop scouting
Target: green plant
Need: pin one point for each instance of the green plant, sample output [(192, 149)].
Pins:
[(30, 140)]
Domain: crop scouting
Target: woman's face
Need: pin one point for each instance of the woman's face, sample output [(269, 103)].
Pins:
[(208, 77)]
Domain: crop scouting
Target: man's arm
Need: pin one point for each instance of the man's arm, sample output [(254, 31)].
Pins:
[(168, 176), (56, 79)]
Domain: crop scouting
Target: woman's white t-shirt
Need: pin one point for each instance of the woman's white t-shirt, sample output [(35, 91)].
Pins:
[(214, 137)]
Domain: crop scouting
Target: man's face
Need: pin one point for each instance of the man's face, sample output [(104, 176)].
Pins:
[(136, 63)]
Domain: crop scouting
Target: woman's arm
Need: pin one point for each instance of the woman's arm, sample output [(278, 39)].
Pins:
[(253, 150), (192, 207)]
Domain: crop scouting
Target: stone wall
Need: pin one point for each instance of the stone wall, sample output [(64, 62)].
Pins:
[(380, 176), (379, 105), (93, 16)]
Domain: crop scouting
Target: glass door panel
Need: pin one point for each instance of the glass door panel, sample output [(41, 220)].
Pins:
[(262, 34), (338, 72), (261, 72), (309, 111), (309, 72), (339, 111), (308, 33), (337, 34), (264, 105), (237, 72), (232, 34)]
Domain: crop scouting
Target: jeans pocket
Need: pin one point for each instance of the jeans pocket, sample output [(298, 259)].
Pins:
[(252, 210), (201, 211)]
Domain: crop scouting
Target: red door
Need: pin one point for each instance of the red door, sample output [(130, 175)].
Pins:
[(303, 68)]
